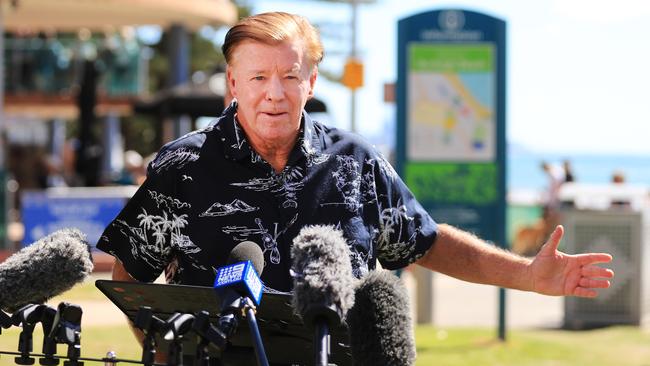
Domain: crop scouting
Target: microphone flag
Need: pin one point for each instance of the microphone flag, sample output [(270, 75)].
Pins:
[(240, 277)]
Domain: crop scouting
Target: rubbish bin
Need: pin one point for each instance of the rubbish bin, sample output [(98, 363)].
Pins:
[(624, 234)]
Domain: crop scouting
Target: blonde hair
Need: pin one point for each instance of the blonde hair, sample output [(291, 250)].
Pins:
[(273, 28)]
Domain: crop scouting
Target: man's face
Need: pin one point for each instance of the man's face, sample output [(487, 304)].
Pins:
[(272, 85)]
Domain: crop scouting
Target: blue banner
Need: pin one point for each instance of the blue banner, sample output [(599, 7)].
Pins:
[(43, 214)]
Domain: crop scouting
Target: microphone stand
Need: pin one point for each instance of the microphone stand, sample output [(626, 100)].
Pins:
[(260, 354), (49, 343), (66, 329), (27, 316), (228, 324), (149, 325), (322, 344), (321, 317)]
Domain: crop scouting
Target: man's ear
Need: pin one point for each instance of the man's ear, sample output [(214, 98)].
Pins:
[(312, 81), (230, 81)]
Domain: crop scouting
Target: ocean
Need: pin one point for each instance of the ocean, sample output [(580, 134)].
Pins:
[(524, 170)]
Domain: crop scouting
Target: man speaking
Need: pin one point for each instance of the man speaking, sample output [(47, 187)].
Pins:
[(264, 170)]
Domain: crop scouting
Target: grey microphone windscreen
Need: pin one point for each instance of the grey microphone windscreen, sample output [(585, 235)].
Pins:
[(381, 332), (322, 273), (44, 269), (248, 251)]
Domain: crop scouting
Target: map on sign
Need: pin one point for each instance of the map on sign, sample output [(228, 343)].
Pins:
[(451, 102)]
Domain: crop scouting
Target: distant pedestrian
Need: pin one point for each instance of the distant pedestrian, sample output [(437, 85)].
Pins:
[(555, 178), (618, 177), (551, 201), (568, 171)]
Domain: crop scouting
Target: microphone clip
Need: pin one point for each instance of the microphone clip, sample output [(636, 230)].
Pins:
[(174, 329), (5, 321), (66, 329), (149, 324), (208, 334), (27, 317)]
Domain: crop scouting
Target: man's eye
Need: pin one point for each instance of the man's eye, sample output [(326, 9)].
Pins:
[(258, 78)]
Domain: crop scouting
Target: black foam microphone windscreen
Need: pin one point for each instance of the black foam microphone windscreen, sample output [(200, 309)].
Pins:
[(381, 332), (322, 273), (44, 269), (248, 251)]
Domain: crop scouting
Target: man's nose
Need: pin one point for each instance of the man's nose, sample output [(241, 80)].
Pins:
[(275, 89)]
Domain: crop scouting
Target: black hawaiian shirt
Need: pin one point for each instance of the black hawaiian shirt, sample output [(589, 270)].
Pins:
[(209, 190)]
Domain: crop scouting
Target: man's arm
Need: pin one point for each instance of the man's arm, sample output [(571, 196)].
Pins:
[(120, 274), (459, 254)]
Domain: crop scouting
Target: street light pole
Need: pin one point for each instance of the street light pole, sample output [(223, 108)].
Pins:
[(353, 56), (3, 148)]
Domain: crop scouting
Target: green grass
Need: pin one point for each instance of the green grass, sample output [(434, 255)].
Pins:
[(85, 291), (615, 346)]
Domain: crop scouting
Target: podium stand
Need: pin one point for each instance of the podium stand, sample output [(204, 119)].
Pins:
[(286, 338)]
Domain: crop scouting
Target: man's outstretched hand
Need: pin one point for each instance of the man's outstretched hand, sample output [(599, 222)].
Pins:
[(555, 273)]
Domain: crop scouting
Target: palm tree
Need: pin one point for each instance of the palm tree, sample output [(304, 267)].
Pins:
[(164, 222), (178, 222), (160, 239), (146, 220)]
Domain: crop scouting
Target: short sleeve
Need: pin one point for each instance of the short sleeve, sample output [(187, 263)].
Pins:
[(141, 234), (406, 230)]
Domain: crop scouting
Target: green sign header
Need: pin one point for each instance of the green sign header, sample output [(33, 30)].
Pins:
[(451, 58)]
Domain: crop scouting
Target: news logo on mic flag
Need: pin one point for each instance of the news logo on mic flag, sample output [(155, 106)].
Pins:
[(240, 276)]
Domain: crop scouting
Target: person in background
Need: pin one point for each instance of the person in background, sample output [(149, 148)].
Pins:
[(555, 179), (135, 166), (568, 171), (134, 171), (618, 177)]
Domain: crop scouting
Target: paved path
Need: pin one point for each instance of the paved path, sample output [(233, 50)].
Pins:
[(458, 303), (96, 312)]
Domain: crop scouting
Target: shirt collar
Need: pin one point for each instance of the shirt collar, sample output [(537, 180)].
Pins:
[(236, 146)]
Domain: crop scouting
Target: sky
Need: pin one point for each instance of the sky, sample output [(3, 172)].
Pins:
[(578, 71)]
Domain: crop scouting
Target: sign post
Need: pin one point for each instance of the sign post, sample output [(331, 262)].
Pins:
[(451, 144)]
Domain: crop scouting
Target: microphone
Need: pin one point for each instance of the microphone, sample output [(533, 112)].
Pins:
[(239, 279), (239, 287), (44, 269), (322, 282), (380, 325)]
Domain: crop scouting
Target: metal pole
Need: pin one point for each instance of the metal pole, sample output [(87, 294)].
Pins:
[(179, 66), (353, 55), (3, 200), (502, 314), (258, 346), (321, 344)]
